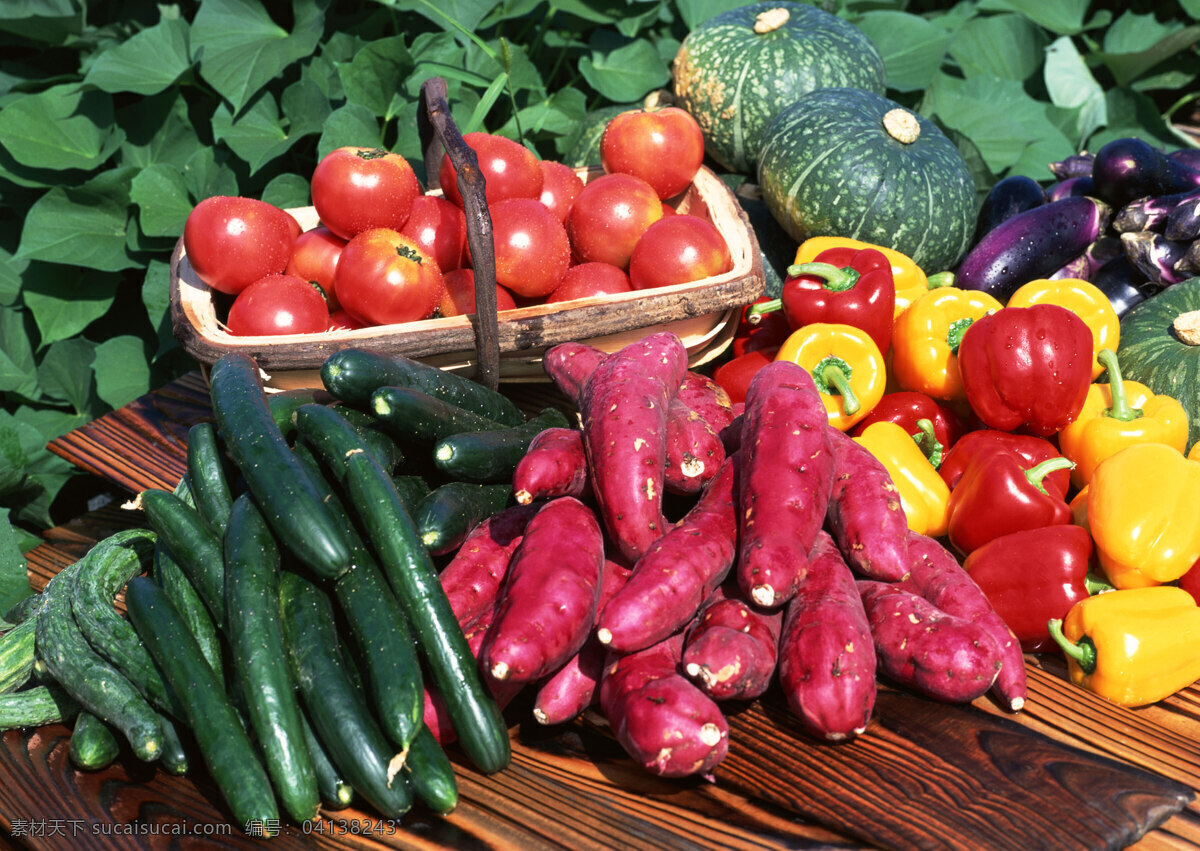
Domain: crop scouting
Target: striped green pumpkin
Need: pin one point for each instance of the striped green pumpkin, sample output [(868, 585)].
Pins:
[(735, 71), (849, 162), (1153, 352)]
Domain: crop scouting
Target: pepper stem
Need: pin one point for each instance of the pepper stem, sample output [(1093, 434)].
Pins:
[(1037, 474), (832, 376), (1083, 653), (754, 313), (941, 279), (1121, 409), (1096, 584), (838, 279), (932, 448)]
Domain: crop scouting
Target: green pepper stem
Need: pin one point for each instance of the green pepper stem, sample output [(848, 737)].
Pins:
[(932, 448), (833, 374), (754, 313), (1037, 474), (1121, 409), (1096, 584), (837, 278), (1083, 653), (941, 279)]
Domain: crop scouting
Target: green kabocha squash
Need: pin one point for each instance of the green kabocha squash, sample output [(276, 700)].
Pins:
[(849, 162), (735, 71), (1160, 347)]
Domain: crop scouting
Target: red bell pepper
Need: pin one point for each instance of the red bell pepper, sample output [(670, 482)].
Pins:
[(1031, 450), (1190, 581), (908, 407), (844, 285), (766, 333), (1027, 368), (1033, 576), (997, 495), (734, 375)]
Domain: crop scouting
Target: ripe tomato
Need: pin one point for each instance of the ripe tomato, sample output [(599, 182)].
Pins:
[(440, 228), (560, 187), (532, 250), (314, 258), (676, 250), (384, 277), (510, 170), (278, 304), (609, 216), (590, 279), (664, 147), (459, 296), (734, 376), (232, 242), (340, 320), (356, 189)]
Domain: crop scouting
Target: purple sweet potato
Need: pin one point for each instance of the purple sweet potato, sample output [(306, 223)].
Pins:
[(547, 606), (662, 720), (694, 450), (920, 646), (679, 571), (707, 398), (576, 685), (553, 465), (732, 649), (474, 575), (826, 654), (786, 481), (936, 575), (569, 364), (624, 406), (865, 514)]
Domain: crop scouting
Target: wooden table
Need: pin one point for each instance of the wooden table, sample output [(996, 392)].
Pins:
[(1069, 771)]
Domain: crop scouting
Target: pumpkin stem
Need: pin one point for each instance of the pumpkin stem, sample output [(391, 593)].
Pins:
[(1187, 326), (770, 20), (902, 125)]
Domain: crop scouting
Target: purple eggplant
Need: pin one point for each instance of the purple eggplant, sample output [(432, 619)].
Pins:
[(1032, 245), (1189, 264), (1124, 285), (1007, 197), (1105, 248), (1155, 256), (1079, 269), (1151, 213), (1076, 165), (1072, 186), (1131, 168), (1189, 157), (1183, 222)]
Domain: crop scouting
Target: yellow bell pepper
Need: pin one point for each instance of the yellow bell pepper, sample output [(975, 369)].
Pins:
[(1085, 300), (1141, 511), (908, 277), (846, 365), (925, 340), (1119, 414), (1134, 646), (924, 495), (1194, 452)]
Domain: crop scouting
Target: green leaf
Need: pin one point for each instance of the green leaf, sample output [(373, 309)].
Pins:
[(1127, 67), (696, 12), (1131, 113), (348, 125), (1007, 46), (14, 572), (305, 107), (158, 130), (1192, 7), (241, 48), (147, 63), (257, 135), (559, 114), (912, 48), (467, 14), (287, 191), (76, 227), (122, 370), (18, 369), (12, 460), (60, 128), (66, 373), (627, 73), (207, 173), (161, 194), (156, 298), (1062, 17), (11, 270), (375, 76), (1071, 85), (64, 300)]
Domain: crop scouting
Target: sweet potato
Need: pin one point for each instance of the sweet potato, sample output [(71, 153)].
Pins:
[(678, 572), (624, 406), (936, 575), (786, 480), (920, 646), (662, 720), (826, 653), (576, 685), (474, 575), (707, 398), (569, 364), (547, 606), (732, 649), (865, 514), (553, 465), (694, 450)]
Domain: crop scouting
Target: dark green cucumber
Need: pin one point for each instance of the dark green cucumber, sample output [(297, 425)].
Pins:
[(413, 416), (431, 773), (353, 375), (17, 655), (283, 405), (289, 499), (491, 456), (374, 434), (94, 745), (336, 793), (195, 546), (409, 569), (95, 683), (174, 758), (174, 581), (24, 609), (223, 743), (258, 657), (332, 437), (208, 477), (449, 512), (412, 490), (333, 704), (36, 707)]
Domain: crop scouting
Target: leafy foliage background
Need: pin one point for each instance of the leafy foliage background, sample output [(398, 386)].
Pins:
[(117, 117)]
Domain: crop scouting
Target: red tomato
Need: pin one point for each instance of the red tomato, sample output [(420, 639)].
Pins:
[(532, 250), (384, 277), (561, 185), (510, 170), (590, 279), (676, 250), (232, 242), (340, 320), (356, 189), (734, 375), (459, 296), (314, 258), (440, 228), (278, 304), (664, 147), (609, 216)]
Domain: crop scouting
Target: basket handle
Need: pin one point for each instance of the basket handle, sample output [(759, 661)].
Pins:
[(438, 132)]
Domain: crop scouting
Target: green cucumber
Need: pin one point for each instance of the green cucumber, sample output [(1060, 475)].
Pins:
[(334, 706), (336, 793), (353, 375), (195, 546), (449, 512), (491, 456), (259, 657), (172, 579), (283, 404), (36, 707), (93, 745), (332, 436), (226, 748), (17, 655), (24, 609), (371, 430), (409, 569), (431, 773), (412, 490), (288, 497), (174, 758), (207, 476), (413, 416)]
